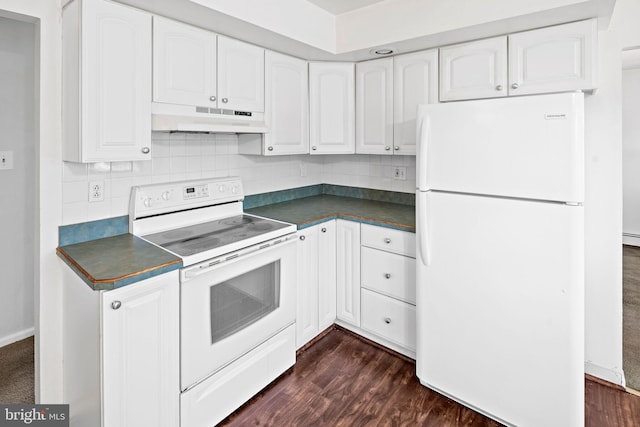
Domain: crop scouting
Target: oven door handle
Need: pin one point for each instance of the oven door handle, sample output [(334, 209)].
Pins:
[(207, 266)]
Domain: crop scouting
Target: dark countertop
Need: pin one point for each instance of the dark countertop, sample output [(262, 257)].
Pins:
[(117, 261), (309, 211)]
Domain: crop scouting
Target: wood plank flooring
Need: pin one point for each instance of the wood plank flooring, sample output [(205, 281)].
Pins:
[(344, 381)]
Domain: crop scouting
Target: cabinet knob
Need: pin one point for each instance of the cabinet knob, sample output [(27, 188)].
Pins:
[(225, 100), (499, 88), (324, 230), (387, 240), (314, 148), (387, 276), (387, 148), (145, 150), (270, 148), (515, 86), (116, 305), (212, 98), (397, 148), (387, 320), (302, 237)]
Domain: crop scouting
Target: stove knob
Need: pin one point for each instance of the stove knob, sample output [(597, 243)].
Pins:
[(234, 189), (147, 202), (166, 195), (222, 188)]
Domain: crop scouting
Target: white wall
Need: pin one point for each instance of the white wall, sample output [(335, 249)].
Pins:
[(179, 156), (17, 121), (631, 156)]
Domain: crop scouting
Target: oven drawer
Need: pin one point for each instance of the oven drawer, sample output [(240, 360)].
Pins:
[(216, 397), (387, 239), (389, 318), (389, 274)]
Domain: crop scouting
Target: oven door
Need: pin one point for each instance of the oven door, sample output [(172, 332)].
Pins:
[(234, 303)]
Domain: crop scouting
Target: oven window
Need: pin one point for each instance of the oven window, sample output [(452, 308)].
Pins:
[(243, 300)]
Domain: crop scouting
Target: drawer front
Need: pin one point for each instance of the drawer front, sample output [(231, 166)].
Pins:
[(390, 274), (387, 239), (389, 318)]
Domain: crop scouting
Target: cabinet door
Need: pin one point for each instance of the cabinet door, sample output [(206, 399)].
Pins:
[(415, 82), (116, 82), (348, 271), (553, 59), (307, 290), (287, 105), (476, 69), (240, 75), (331, 108), (374, 106), (184, 64), (326, 275), (140, 344)]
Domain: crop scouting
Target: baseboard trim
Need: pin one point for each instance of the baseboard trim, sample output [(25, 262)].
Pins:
[(630, 239), (17, 336), (604, 374)]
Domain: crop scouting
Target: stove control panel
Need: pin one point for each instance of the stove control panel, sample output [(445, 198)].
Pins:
[(156, 199)]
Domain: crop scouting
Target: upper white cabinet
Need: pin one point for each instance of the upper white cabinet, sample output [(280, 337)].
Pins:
[(476, 69), (415, 82), (196, 68), (184, 64), (106, 79), (374, 106), (332, 108), (553, 59), (286, 109), (240, 75)]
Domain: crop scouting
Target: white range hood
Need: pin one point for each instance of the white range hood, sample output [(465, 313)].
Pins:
[(171, 118)]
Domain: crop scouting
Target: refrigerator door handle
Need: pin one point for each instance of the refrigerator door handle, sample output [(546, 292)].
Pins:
[(422, 149), (422, 207)]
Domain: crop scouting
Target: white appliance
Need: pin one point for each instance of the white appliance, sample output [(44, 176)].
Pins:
[(237, 291), (500, 282)]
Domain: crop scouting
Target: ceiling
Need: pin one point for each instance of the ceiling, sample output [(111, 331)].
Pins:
[(338, 7)]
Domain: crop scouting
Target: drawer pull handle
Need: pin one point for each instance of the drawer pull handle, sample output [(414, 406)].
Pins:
[(324, 230), (387, 320), (302, 237), (387, 276), (387, 240), (116, 305)]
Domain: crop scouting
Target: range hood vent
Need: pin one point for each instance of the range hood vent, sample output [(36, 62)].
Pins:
[(167, 118)]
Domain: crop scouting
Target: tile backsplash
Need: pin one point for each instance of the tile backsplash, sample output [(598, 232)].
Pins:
[(180, 156)]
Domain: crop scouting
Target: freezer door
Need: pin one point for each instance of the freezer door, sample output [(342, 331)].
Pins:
[(528, 147), (500, 307)]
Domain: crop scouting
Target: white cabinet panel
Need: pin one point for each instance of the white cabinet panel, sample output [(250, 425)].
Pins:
[(388, 239), (332, 108), (374, 107), (184, 64), (348, 271), (389, 318), (327, 275), (240, 75), (106, 75), (476, 69), (389, 274), (415, 77), (140, 354), (553, 59)]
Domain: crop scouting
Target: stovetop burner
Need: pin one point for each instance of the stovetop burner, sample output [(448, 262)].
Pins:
[(210, 235)]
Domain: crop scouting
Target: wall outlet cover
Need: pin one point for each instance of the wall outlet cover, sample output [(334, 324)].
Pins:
[(96, 191), (6, 160)]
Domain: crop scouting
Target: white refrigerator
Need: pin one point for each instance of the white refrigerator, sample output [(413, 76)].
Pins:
[(500, 268)]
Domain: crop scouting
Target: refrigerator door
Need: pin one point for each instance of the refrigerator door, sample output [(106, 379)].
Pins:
[(500, 306), (525, 147)]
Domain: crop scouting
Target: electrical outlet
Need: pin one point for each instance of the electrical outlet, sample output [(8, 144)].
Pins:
[(6, 160), (96, 191), (400, 172)]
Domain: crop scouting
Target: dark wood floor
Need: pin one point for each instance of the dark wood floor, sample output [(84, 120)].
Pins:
[(344, 381)]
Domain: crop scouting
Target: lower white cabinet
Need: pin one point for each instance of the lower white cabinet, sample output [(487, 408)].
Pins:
[(121, 353), (348, 271), (316, 292)]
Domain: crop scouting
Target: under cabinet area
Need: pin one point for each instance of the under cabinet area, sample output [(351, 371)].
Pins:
[(388, 92), (316, 291), (331, 108), (121, 352), (286, 109), (106, 82), (553, 59)]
